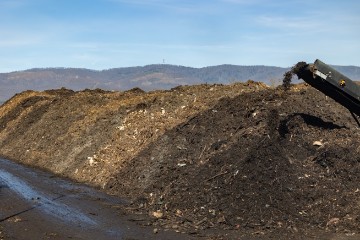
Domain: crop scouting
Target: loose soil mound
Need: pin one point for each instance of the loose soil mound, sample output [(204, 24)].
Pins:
[(240, 159), (249, 163)]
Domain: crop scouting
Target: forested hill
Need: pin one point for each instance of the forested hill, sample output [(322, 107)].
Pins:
[(150, 77)]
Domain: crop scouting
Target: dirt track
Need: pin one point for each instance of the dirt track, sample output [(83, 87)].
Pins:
[(221, 161), (38, 205)]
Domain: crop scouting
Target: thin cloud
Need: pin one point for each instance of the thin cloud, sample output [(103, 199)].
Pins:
[(314, 22), (11, 39), (171, 5), (287, 22), (16, 43), (151, 3), (12, 3), (243, 2)]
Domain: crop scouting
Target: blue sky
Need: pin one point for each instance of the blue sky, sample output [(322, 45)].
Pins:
[(102, 34)]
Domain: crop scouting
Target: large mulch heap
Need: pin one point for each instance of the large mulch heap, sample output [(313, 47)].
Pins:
[(262, 163), (210, 160)]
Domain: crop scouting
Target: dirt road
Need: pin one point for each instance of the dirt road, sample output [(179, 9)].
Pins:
[(38, 205)]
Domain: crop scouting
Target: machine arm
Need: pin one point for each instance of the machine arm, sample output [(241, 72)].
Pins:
[(333, 84)]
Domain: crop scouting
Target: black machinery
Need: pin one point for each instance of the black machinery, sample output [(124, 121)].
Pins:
[(333, 84)]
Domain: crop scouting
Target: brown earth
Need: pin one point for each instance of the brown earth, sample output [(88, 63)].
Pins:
[(212, 160)]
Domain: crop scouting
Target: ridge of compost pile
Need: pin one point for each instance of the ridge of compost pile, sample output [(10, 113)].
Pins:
[(209, 160)]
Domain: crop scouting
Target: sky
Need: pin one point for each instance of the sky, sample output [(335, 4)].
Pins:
[(103, 34)]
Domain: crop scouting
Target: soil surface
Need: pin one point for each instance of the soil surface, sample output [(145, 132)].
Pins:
[(222, 162)]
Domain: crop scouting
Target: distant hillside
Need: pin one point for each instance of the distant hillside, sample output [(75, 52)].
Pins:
[(150, 77)]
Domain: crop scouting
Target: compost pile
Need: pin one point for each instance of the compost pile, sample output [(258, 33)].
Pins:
[(259, 163), (208, 160)]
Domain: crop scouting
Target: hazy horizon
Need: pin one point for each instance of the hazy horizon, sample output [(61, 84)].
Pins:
[(105, 69)]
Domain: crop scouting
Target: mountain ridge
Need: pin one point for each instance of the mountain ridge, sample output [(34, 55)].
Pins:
[(148, 77)]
